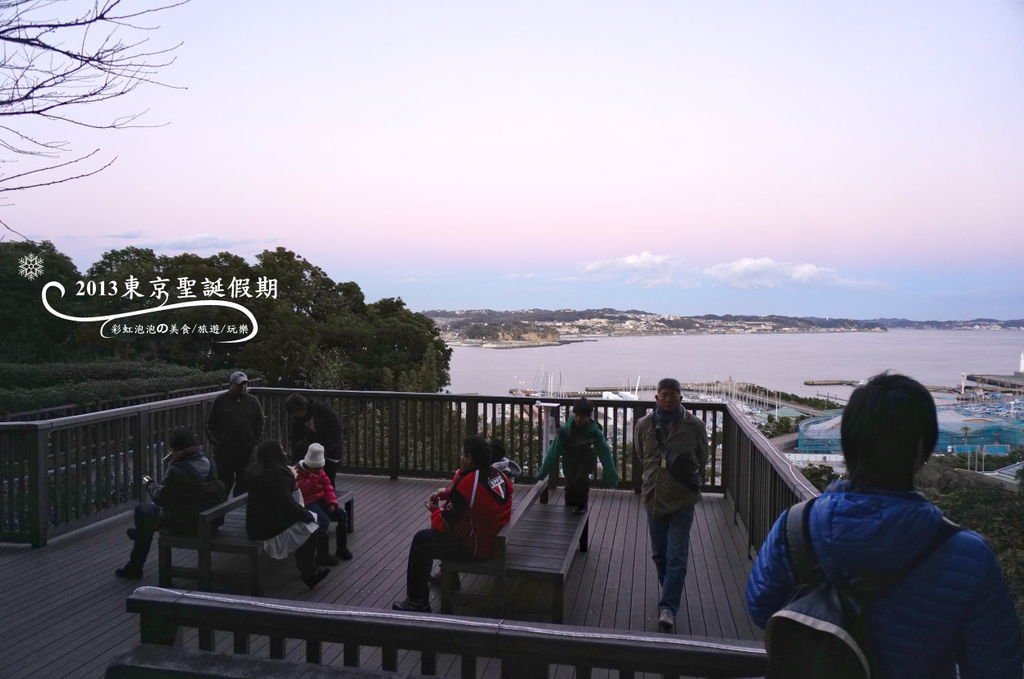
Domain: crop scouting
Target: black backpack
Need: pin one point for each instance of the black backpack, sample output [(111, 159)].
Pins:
[(822, 631)]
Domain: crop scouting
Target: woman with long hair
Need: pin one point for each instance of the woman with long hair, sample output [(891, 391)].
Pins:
[(276, 517)]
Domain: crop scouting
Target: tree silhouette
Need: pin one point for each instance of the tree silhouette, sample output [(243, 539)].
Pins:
[(58, 60)]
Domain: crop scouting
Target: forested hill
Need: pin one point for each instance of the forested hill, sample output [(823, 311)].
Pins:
[(634, 320)]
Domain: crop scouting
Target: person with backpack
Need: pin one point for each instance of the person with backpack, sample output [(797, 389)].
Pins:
[(872, 567), (463, 525), (672, 446), (190, 486), (580, 441)]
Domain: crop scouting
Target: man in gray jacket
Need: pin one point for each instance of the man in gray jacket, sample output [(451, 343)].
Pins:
[(672, 446)]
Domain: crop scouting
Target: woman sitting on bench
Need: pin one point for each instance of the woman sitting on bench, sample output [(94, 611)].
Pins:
[(464, 526), (275, 513)]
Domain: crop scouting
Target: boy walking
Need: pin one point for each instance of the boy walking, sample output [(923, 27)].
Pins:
[(580, 441)]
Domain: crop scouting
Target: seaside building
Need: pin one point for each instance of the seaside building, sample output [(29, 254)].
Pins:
[(992, 429)]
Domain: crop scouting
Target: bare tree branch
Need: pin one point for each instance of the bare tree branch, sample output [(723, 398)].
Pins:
[(53, 68), (2, 222)]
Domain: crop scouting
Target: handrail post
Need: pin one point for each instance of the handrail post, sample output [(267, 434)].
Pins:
[(472, 416), (728, 460), (39, 514), (155, 628), (393, 437), (638, 470), (143, 458)]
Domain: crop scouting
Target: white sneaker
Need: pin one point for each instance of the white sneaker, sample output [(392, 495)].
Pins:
[(666, 620)]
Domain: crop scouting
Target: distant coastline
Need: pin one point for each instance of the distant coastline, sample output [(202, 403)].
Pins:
[(527, 328), (778, 361)]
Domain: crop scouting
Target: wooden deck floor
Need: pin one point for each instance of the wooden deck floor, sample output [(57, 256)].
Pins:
[(63, 611)]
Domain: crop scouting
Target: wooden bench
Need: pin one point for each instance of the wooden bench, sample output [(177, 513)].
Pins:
[(540, 541), (171, 662), (221, 529), (311, 634)]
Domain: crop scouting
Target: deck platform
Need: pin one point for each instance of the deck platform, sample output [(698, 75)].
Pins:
[(63, 610)]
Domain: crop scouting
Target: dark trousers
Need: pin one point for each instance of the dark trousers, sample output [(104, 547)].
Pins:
[(147, 522), (305, 556), (577, 480), (324, 516), (427, 545), (231, 464)]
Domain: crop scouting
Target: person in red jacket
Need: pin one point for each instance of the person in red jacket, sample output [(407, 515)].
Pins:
[(319, 497), (464, 526)]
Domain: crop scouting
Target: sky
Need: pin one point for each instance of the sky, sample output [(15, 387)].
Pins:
[(818, 158)]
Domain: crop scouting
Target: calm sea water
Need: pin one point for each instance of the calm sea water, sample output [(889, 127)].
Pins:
[(782, 362)]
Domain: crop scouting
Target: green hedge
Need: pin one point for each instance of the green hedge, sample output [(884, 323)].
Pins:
[(33, 375), (47, 385)]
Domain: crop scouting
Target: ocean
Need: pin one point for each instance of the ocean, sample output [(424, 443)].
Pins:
[(777, 361)]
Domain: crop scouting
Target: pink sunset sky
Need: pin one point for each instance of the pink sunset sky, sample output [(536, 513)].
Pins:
[(846, 159)]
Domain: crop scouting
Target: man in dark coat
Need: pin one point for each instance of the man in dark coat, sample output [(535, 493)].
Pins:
[(312, 421), (234, 427), (190, 486)]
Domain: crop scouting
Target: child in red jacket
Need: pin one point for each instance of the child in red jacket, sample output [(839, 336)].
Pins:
[(319, 497)]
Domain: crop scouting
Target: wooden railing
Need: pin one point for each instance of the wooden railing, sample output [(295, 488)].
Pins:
[(526, 650), (61, 474), (759, 480), (402, 434)]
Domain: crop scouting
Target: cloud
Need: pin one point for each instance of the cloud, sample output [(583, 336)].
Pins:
[(645, 261), (645, 268), (198, 241), (749, 273), (126, 235)]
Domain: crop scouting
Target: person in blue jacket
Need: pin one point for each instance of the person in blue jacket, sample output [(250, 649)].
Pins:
[(580, 441), (951, 616)]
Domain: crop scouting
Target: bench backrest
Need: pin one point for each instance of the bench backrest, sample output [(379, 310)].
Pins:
[(524, 649), (213, 517)]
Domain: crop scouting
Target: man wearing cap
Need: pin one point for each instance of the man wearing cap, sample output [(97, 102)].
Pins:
[(669, 438), (579, 442), (190, 486), (234, 427), (465, 526)]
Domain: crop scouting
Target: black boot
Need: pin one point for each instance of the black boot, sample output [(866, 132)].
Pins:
[(323, 550), (305, 559), (311, 579), (342, 541)]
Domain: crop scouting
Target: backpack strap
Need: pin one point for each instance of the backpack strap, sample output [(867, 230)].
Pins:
[(807, 569), (798, 538)]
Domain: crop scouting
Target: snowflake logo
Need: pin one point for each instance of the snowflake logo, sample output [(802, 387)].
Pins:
[(30, 266)]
